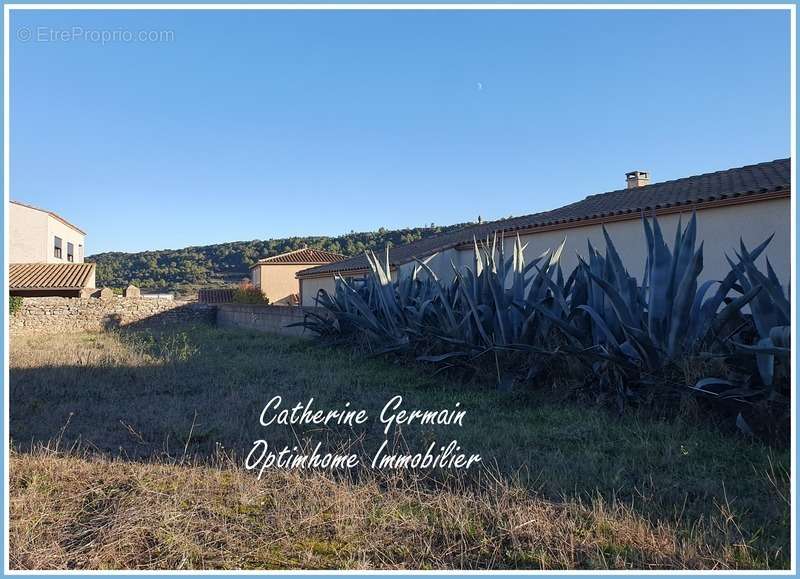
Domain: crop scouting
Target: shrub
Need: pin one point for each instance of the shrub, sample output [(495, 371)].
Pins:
[(249, 294), (14, 304)]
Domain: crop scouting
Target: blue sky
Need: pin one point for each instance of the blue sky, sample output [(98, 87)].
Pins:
[(252, 125)]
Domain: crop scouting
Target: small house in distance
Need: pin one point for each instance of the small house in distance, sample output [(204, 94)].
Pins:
[(46, 254), (275, 275)]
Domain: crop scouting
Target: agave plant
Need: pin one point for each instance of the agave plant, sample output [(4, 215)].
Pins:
[(372, 309), (498, 296), (503, 304), (637, 331), (770, 312), (489, 308), (760, 347)]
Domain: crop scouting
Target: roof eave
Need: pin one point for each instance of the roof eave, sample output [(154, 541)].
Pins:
[(303, 275), (309, 263), (55, 216), (53, 288)]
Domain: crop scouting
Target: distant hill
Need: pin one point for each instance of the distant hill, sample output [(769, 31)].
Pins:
[(185, 270)]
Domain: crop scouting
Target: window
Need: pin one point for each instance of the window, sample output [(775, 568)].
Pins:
[(57, 248), (70, 252)]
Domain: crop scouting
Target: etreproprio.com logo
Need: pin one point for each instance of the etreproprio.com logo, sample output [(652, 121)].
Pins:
[(92, 35)]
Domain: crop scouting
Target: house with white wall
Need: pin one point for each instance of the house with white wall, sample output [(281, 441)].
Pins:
[(750, 202), (46, 254)]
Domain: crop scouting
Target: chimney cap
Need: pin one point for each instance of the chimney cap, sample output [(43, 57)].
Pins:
[(637, 179)]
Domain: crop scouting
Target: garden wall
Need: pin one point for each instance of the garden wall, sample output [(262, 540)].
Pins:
[(273, 319), (53, 315)]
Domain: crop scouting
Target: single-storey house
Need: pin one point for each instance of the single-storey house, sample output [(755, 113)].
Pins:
[(46, 254), (275, 276), (751, 202)]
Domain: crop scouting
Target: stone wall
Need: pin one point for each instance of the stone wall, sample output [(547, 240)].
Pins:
[(53, 315), (273, 319)]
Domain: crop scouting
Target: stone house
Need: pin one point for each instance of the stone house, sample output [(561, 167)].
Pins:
[(275, 276), (751, 202)]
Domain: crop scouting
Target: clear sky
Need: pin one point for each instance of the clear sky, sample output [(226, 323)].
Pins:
[(246, 125)]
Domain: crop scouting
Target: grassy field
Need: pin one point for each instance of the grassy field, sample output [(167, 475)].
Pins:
[(128, 452)]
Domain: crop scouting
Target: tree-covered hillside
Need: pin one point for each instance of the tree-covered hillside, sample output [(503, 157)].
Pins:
[(211, 265)]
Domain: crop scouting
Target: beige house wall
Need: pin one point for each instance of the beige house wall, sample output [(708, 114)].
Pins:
[(27, 234), (277, 281), (32, 237)]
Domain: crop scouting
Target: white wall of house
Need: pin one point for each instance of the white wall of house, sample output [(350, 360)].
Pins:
[(32, 237), (441, 264)]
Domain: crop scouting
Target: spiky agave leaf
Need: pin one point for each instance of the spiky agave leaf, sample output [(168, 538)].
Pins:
[(770, 311)]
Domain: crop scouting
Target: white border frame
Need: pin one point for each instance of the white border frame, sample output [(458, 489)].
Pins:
[(7, 8)]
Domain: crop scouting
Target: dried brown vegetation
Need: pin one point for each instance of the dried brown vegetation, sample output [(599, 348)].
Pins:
[(97, 514), (118, 463)]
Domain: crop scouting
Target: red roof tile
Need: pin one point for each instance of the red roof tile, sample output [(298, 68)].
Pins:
[(305, 256)]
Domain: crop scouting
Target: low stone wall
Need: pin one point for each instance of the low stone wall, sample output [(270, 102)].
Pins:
[(273, 319), (53, 315)]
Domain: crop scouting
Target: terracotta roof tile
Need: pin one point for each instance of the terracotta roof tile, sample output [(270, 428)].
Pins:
[(741, 181), (49, 275), (305, 256)]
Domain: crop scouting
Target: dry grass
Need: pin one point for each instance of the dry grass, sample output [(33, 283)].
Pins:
[(118, 463), (98, 514)]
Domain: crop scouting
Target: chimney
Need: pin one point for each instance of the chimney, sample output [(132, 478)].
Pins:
[(637, 179)]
